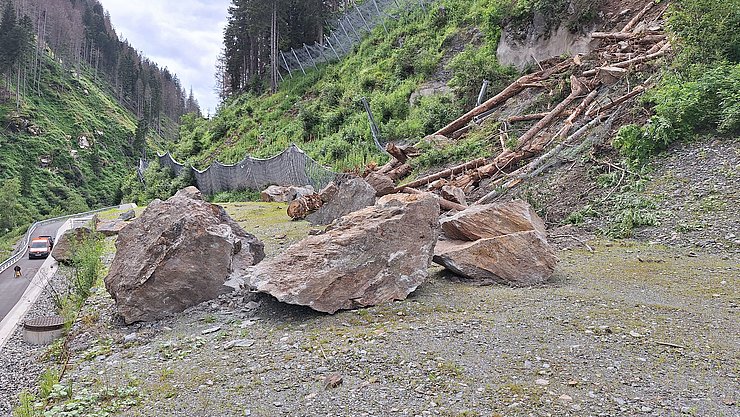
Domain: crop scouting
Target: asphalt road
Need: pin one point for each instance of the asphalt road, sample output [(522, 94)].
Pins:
[(11, 288)]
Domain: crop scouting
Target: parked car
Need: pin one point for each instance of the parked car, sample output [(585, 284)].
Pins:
[(40, 247)]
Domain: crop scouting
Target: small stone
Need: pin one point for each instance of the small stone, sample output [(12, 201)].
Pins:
[(573, 383), (333, 380), (565, 397), (211, 330), (242, 343), (542, 382), (635, 334), (130, 338)]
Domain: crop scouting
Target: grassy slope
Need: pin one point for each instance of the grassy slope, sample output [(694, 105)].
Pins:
[(322, 111), (71, 105)]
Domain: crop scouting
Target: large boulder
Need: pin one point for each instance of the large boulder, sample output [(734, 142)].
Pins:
[(110, 227), (127, 215), (64, 248), (517, 259), (282, 194), (381, 183), (497, 243), (372, 256), (491, 220), (339, 199), (177, 254)]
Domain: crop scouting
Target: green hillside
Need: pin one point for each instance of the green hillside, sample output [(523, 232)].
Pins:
[(43, 169), (322, 111), (451, 47)]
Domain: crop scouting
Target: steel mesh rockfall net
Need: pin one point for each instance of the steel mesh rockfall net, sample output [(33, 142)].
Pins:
[(291, 167), (345, 32)]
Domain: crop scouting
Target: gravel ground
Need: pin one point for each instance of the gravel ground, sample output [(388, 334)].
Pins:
[(697, 193), (643, 327), (21, 363), (631, 329)]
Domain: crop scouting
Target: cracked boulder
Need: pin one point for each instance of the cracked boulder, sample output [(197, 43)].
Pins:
[(502, 243), (177, 254), (371, 256)]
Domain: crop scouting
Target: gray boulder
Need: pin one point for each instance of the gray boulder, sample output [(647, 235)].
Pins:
[(491, 220), (372, 256), (177, 254), (339, 199), (110, 228), (127, 215), (518, 259)]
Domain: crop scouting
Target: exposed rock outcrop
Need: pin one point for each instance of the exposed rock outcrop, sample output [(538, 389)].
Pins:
[(372, 256), (497, 243), (177, 254)]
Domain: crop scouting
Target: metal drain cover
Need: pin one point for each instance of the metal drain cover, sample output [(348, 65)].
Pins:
[(44, 324)]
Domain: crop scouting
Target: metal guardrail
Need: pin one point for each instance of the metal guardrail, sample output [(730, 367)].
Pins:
[(20, 250)]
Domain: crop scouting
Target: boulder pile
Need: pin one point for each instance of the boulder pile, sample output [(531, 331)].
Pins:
[(282, 194)]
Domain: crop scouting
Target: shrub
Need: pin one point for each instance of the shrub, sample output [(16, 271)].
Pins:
[(705, 31)]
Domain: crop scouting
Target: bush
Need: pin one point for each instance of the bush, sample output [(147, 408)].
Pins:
[(705, 31), (472, 66), (685, 108)]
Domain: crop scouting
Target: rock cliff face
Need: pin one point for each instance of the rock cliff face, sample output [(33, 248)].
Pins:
[(372, 256), (177, 254)]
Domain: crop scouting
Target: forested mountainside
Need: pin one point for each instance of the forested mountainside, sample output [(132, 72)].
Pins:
[(76, 107), (425, 68)]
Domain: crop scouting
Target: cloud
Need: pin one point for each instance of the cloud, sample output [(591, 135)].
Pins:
[(184, 36)]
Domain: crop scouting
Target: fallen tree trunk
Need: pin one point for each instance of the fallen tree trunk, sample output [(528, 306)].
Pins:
[(445, 205), (621, 36), (527, 117), (443, 174), (633, 22), (400, 172), (513, 89), (577, 89), (596, 110), (634, 61), (396, 152), (576, 114)]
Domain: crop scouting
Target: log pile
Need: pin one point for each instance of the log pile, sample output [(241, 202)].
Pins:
[(600, 84)]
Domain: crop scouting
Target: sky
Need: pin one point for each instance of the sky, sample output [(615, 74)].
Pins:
[(185, 36)]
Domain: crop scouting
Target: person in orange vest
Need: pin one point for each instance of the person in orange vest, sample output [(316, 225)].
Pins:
[(17, 270)]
